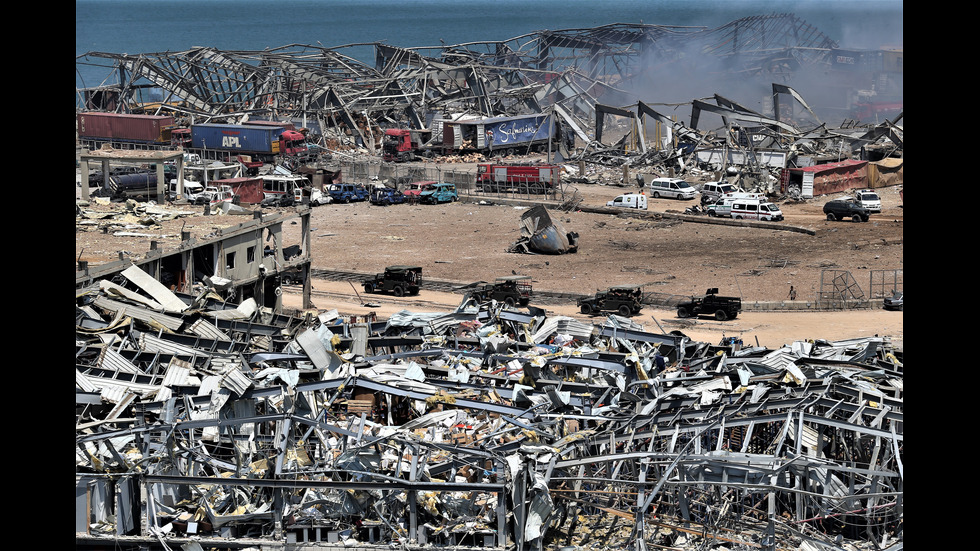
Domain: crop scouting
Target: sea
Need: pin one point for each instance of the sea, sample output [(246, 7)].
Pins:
[(154, 26)]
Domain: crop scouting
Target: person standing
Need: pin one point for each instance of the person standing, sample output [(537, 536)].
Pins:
[(792, 293)]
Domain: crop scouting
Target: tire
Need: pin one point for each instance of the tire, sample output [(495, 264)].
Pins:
[(831, 217), (656, 195), (368, 288), (399, 292), (586, 309), (720, 315), (856, 218), (625, 311), (738, 217), (683, 312), (509, 301), (712, 214)]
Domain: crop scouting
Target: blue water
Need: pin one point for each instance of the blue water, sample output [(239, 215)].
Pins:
[(146, 26)]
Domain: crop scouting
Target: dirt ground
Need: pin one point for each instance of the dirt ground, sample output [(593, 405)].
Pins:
[(467, 242)]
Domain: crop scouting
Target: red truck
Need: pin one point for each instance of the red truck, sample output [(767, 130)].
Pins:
[(402, 144), (525, 178)]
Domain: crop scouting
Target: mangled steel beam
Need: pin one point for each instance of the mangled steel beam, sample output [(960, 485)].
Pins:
[(542, 234)]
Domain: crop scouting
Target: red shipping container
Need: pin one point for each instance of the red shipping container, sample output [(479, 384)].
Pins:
[(125, 127)]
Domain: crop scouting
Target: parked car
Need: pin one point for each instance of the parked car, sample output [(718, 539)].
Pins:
[(672, 187), (840, 209), (869, 199), (896, 301)]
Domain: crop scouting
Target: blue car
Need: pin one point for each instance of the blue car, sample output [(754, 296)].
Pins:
[(384, 196), (439, 193)]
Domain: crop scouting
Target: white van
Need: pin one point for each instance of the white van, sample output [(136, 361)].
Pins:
[(869, 199), (630, 201), (723, 206), (755, 209), (672, 187)]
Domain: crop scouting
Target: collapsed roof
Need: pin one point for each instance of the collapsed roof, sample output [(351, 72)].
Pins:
[(483, 427)]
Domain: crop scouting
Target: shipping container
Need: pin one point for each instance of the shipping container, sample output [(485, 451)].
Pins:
[(237, 138), (287, 125), (123, 127), (503, 135)]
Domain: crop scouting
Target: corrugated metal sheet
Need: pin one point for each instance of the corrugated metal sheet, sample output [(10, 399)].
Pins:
[(151, 343), (153, 318), (207, 330), (113, 361)]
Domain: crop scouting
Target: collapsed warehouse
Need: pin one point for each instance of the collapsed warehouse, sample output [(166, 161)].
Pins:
[(227, 427), (594, 83)]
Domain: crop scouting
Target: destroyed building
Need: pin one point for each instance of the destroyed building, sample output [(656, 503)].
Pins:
[(208, 418), (585, 80), (227, 427)]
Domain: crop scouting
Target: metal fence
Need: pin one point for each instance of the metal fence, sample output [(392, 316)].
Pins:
[(399, 176)]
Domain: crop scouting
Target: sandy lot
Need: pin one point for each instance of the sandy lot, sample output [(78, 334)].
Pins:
[(466, 242)]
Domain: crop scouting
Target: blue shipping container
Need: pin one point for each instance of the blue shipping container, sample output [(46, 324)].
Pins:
[(237, 138), (511, 131)]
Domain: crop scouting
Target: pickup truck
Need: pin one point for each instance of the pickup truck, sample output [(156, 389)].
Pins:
[(840, 209)]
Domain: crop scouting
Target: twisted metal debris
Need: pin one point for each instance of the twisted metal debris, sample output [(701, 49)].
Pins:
[(228, 426)]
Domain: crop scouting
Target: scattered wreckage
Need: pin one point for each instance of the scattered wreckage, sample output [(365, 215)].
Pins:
[(200, 422), (539, 93)]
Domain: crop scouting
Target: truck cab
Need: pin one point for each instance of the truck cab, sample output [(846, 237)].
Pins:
[(630, 201), (398, 280)]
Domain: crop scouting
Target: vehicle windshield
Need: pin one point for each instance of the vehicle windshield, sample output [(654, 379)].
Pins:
[(869, 197), (683, 185)]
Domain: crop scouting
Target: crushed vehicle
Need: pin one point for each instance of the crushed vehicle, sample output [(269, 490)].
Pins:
[(347, 193), (384, 196), (511, 290), (671, 187), (413, 190), (896, 301), (839, 209), (439, 193), (622, 299), (630, 201), (869, 199), (192, 190), (721, 307), (398, 280)]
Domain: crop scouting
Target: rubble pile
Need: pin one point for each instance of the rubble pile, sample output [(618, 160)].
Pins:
[(482, 427)]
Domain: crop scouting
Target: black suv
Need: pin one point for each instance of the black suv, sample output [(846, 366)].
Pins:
[(846, 208)]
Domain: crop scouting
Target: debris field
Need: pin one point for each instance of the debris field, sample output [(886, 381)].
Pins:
[(201, 422)]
